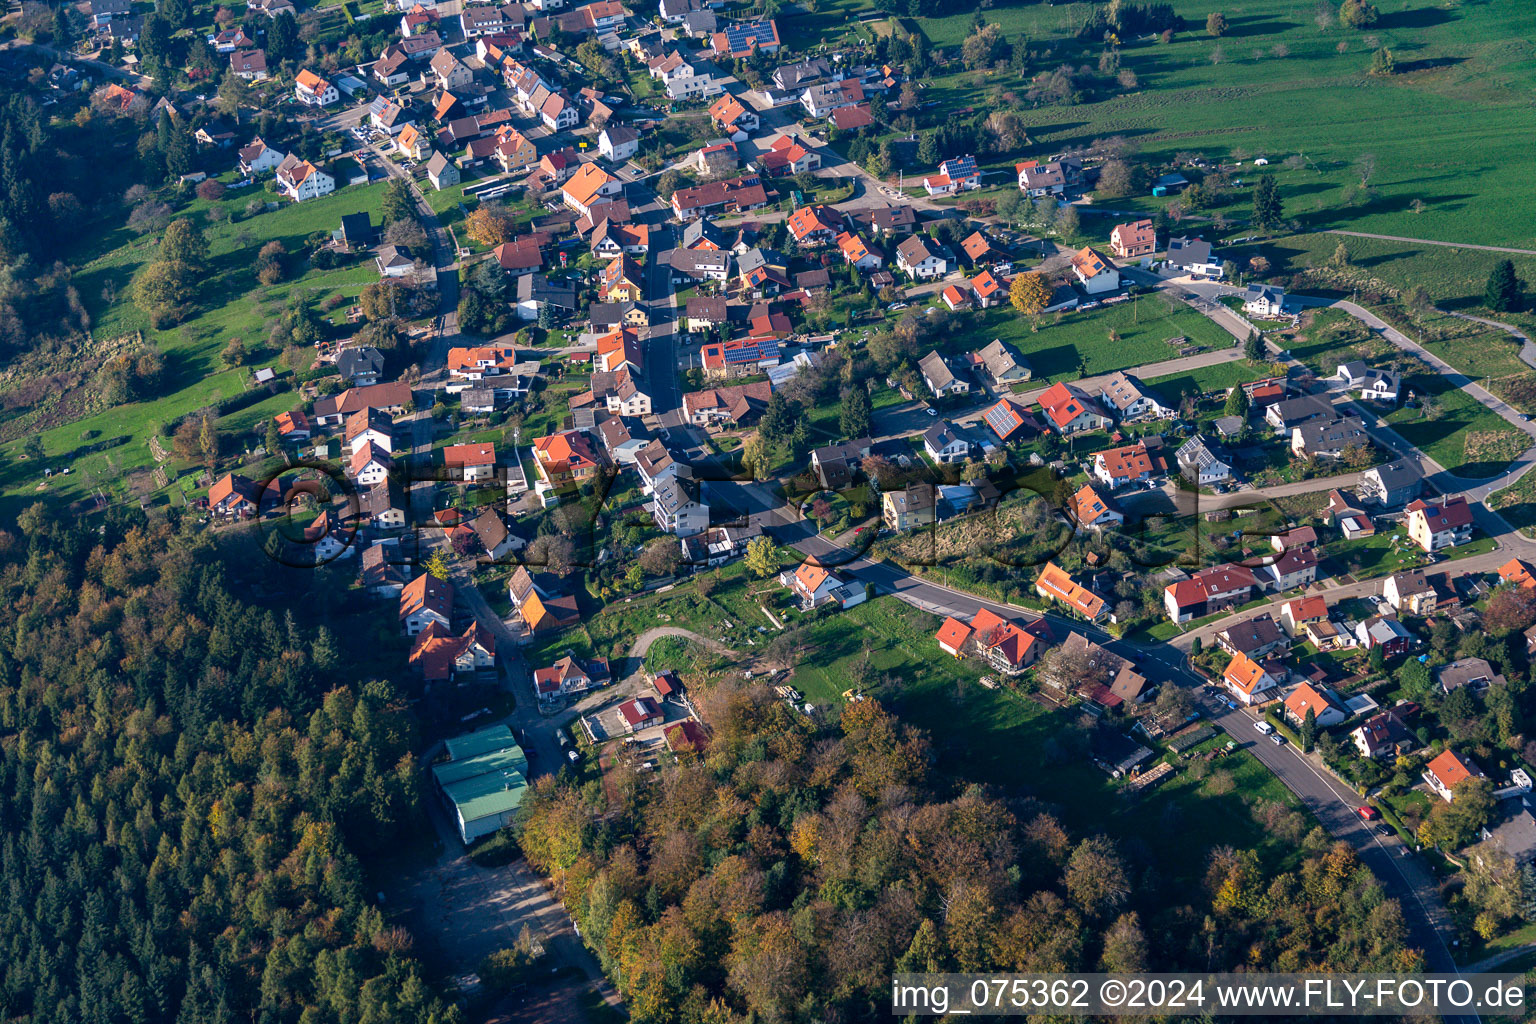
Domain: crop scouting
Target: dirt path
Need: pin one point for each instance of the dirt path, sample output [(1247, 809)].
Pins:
[(1431, 241)]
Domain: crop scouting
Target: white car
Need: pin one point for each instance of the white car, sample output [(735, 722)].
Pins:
[(1264, 727)]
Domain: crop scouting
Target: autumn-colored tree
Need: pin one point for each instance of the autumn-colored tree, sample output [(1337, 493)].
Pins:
[(437, 565), (1510, 610), (491, 224), (762, 557), (1029, 293)]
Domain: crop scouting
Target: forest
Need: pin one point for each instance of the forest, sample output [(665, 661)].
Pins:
[(784, 874), (186, 780)]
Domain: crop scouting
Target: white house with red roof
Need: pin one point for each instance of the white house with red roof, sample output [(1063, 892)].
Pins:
[(815, 586), (640, 713), (1006, 646), (1209, 590), (1249, 681), (1069, 410), (313, 91), (423, 601), (470, 462), (952, 636), (1095, 272), (1444, 524), (1326, 709), (1447, 771), (301, 180)]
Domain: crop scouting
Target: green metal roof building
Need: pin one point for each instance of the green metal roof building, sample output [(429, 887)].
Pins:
[(483, 780)]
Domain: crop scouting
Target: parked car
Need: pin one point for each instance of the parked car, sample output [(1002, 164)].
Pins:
[(1277, 740), (1369, 813), (1384, 830), (1264, 727)]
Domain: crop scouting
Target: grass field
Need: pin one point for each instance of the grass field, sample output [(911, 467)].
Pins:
[(1099, 341), (1457, 431), (231, 303), (1220, 377)]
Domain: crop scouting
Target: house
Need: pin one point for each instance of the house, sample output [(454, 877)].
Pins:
[(590, 187), (835, 464), (569, 676), (718, 545), (976, 248), (370, 465), (1474, 673), (1129, 464), (1094, 272), (1447, 771), (360, 365), (522, 255), (1038, 180), (815, 586), (1090, 510), (478, 400), (738, 405), (815, 225), (822, 99), (250, 65), (961, 173), (1296, 614), (301, 180), (909, 508), (470, 462), (640, 713), (1390, 635), (356, 232), (939, 378), (1395, 483), (1003, 365), (952, 636), (787, 155), (513, 151), (705, 313), (761, 272), (233, 496), (691, 265), (739, 357), (956, 298), (655, 463), (535, 292), (987, 289), (889, 221), (439, 656), (1328, 439), (1207, 591), (1010, 419), (1202, 462), (742, 39), (918, 257), (1132, 400), (1258, 638), (618, 142), (383, 570), (313, 91), (1248, 681), (1325, 708), (1410, 593), (1385, 734), (392, 68), (258, 158), (716, 159), (678, 507), (1518, 572), (621, 281), (538, 603), (1054, 583), (1007, 647), (1377, 385), (481, 361), (1070, 411), (1439, 525), (944, 445), (423, 601), (732, 116), (1263, 300), (564, 460), (442, 172), (1193, 257), (610, 239), (856, 252), (370, 426), (1296, 567), (735, 195), (393, 261), (1138, 238), (618, 348), (1295, 537), (803, 73), (482, 20), (848, 119), (333, 410), (293, 425), (383, 505), (450, 72)]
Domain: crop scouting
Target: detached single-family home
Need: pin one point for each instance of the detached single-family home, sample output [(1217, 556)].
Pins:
[(1410, 593), (640, 713), (1092, 511), (258, 158), (1133, 400), (940, 379), (1258, 638), (814, 586), (1138, 238), (1069, 410), (1193, 257), (1377, 385), (1447, 771), (944, 445), (1056, 584), (1011, 419), (1248, 681), (1207, 591), (470, 462), (1003, 365), (1473, 673), (1263, 300), (920, 258), (233, 496), (1202, 462), (423, 601), (1129, 464), (1390, 635), (1095, 272), (1328, 439), (301, 180), (1007, 647), (569, 676), (313, 91), (1326, 709), (1298, 613), (618, 142), (1385, 734), (815, 225), (1395, 483), (909, 508), (590, 187), (1443, 524)]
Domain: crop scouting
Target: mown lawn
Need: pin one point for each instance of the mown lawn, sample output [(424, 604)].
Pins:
[(1220, 377), (1099, 341), (1456, 430)]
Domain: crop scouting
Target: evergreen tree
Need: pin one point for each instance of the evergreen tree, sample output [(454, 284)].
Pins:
[(283, 38), (854, 420), (1309, 731), (274, 440), (1504, 293), (63, 33), (1267, 209), (1253, 347), (1237, 403), (928, 149)]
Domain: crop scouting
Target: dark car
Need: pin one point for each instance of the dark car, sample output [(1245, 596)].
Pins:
[(1384, 830)]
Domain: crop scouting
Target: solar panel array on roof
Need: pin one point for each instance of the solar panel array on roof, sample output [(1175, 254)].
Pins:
[(1001, 418)]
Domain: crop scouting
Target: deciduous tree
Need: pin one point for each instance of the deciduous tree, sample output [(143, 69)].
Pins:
[(1029, 293)]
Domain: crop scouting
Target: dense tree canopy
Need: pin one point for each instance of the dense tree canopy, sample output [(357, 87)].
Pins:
[(184, 779)]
